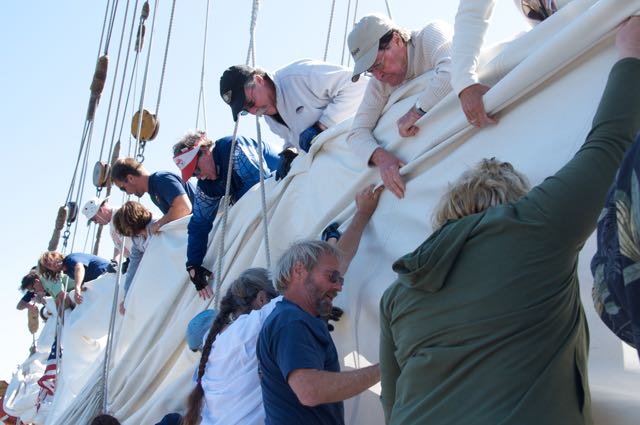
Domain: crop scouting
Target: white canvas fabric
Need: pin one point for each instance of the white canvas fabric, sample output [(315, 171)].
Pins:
[(546, 86)]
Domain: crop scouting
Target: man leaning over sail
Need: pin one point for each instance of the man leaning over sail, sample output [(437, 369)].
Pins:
[(99, 211), (298, 101), (208, 161), (393, 55), (166, 189)]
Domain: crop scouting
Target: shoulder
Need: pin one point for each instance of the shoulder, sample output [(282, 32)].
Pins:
[(307, 68), (436, 28), (165, 176)]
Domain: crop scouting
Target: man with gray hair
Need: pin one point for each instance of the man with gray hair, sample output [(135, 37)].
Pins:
[(300, 371), (392, 56), (99, 211), (208, 161)]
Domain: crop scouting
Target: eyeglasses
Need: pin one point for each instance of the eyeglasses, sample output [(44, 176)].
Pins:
[(121, 187), (197, 171), (335, 277), (376, 67), (249, 104)]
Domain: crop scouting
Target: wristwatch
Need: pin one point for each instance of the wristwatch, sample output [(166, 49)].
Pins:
[(418, 109)]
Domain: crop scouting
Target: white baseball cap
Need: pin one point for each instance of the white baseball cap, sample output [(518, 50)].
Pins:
[(92, 206), (364, 39)]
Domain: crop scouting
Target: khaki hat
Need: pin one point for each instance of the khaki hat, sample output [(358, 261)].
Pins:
[(364, 39)]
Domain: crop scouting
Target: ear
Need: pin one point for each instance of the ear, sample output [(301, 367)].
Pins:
[(298, 272)]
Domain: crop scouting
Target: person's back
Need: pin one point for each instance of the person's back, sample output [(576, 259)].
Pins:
[(310, 339), (94, 265), (232, 372), (486, 313)]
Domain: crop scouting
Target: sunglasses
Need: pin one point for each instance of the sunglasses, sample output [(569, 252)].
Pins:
[(336, 277), (196, 171), (250, 103)]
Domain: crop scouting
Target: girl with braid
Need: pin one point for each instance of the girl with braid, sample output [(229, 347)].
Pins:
[(228, 371)]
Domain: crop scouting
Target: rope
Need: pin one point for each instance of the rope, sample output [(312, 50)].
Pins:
[(251, 53), (326, 46), (201, 97), (346, 29), (164, 61), (110, 29), (104, 26), (386, 2), (111, 96), (140, 143), (263, 197), (355, 13), (225, 210)]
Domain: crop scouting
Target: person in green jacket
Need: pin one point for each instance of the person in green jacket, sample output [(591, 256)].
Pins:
[(484, 324)]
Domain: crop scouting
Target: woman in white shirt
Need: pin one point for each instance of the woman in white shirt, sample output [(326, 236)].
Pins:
[(227, 376)]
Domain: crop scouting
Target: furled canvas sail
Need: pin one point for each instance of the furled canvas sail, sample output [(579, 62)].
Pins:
[(546, 86)]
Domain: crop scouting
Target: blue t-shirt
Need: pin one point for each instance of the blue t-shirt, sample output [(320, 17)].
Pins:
[(293, 339), (94, 266), (163, 189)]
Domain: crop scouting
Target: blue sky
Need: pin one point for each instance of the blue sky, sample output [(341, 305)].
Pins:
[(48, 57)]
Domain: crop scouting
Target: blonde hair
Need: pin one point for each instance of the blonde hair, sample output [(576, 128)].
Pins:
[(491, 182), (47, 257)]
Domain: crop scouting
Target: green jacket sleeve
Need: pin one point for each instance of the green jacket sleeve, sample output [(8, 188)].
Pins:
[(389, 368), (571, 200)]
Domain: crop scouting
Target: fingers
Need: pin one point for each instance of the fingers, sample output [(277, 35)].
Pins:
[(393, 182), (473, 105)]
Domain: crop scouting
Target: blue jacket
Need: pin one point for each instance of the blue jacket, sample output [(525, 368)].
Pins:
[(208, 193)]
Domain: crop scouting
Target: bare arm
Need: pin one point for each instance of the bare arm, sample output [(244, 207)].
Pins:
[(78, 276), (180, 207), (314, 387), (366, 204)]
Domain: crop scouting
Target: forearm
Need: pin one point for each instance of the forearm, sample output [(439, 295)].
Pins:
[(471, 23), (350, 239), (360, 138), (314, 387), (180, 207)]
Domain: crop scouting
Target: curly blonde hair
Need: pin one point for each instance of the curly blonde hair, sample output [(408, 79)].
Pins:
[(491, 182), (47, 257)]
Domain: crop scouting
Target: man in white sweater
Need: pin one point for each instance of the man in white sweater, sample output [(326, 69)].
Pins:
[(298, 101), (470, 27), (393, 55)]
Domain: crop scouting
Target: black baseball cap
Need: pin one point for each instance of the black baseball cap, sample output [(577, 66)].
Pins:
[(232, 85)]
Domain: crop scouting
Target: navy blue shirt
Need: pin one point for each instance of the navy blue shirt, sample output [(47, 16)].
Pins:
[(293, 339), (94, 266), (245, 174), (164, 187)]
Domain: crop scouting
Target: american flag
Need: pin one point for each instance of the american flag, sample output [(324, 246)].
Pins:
[(48, 380)]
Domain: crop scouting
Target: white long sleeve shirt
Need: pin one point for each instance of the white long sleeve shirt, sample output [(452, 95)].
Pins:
[(472, 21), (428, 51), (309, 91)]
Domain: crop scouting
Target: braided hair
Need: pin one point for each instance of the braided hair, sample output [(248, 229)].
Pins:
[(237, 301)]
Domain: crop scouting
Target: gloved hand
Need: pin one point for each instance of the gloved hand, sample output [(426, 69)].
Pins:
[(286, 158), (199, 276), (112, 267), (307, 136), (335, 315), (125, 266)]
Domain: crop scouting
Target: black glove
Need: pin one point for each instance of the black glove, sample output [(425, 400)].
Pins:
[(335, 315), (286, 158), (199, 276), (305, 138), (112, 267), (125, 266)]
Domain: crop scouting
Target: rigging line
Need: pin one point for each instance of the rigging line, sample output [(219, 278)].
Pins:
[(113, 89), (326, 46), (104, 26), (225, 210), (139, 143), (112, 20), (124, 73), (346, 29), (81, 184), (164, 61), (75, 172), (263, 196), (201, 98), (387, 3), (251, 54), (355, 13)]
